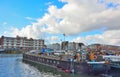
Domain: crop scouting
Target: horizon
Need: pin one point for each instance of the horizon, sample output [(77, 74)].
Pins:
[(89, 22)]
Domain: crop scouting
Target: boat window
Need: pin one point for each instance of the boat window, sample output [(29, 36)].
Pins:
[(54, 62), (50, 61), (47, 60), (58, 62)]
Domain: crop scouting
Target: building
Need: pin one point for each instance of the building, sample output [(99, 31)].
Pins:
[(55, 46), (20, 43), (74, 46), (66, 45), (103, 47), (2, 51)]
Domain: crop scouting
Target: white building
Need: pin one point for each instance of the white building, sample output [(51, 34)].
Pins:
[(21, 43)]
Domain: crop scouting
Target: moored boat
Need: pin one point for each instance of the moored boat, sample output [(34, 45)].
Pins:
[(114, 60), (68, 63)]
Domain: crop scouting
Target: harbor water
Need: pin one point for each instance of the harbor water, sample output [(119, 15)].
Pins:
[(12, 66)]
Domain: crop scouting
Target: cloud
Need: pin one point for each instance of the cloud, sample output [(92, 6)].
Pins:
[(29, 18), (29, 31), (108, 37), (76, 17), (49, 3), (52, 39), (4, 23), (80, 16)]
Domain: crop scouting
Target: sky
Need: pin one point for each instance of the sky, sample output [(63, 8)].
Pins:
[(87, 21)]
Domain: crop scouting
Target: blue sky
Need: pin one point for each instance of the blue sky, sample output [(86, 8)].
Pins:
[(81, 20), (15, 12)]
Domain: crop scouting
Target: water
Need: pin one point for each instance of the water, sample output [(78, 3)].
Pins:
[(14, 67)]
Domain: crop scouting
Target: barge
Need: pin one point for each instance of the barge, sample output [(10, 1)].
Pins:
[(69, 64)]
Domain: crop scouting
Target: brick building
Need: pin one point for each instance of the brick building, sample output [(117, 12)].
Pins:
[(103, 47)]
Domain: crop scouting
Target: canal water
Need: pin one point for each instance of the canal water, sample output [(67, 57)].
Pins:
[(13, 66)]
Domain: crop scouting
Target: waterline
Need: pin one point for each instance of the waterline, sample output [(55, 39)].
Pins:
[(14, 67)]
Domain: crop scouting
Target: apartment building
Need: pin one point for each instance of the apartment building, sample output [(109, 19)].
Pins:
[(20, 43)]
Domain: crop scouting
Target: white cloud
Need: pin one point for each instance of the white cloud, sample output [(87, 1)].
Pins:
[(4, 23), (75, 17), (29, 18), (52, 39), (29, 31), (49, 3), (114, 1), (108, 37), (80, 16)]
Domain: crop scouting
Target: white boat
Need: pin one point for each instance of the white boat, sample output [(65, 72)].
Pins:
[(113, 58)]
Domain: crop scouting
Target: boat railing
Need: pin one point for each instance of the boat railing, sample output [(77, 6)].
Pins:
[(62, 57), (113, 58), (45, 56)]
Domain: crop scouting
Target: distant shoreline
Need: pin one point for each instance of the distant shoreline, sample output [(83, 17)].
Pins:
[(11, 55)]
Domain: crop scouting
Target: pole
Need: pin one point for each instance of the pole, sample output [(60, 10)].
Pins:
[(64, 36), (60, 44)]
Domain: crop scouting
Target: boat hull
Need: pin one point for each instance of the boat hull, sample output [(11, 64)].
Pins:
[(68, 66)]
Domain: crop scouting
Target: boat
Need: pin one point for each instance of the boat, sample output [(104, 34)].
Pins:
[(77, 62), (114, 60)]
